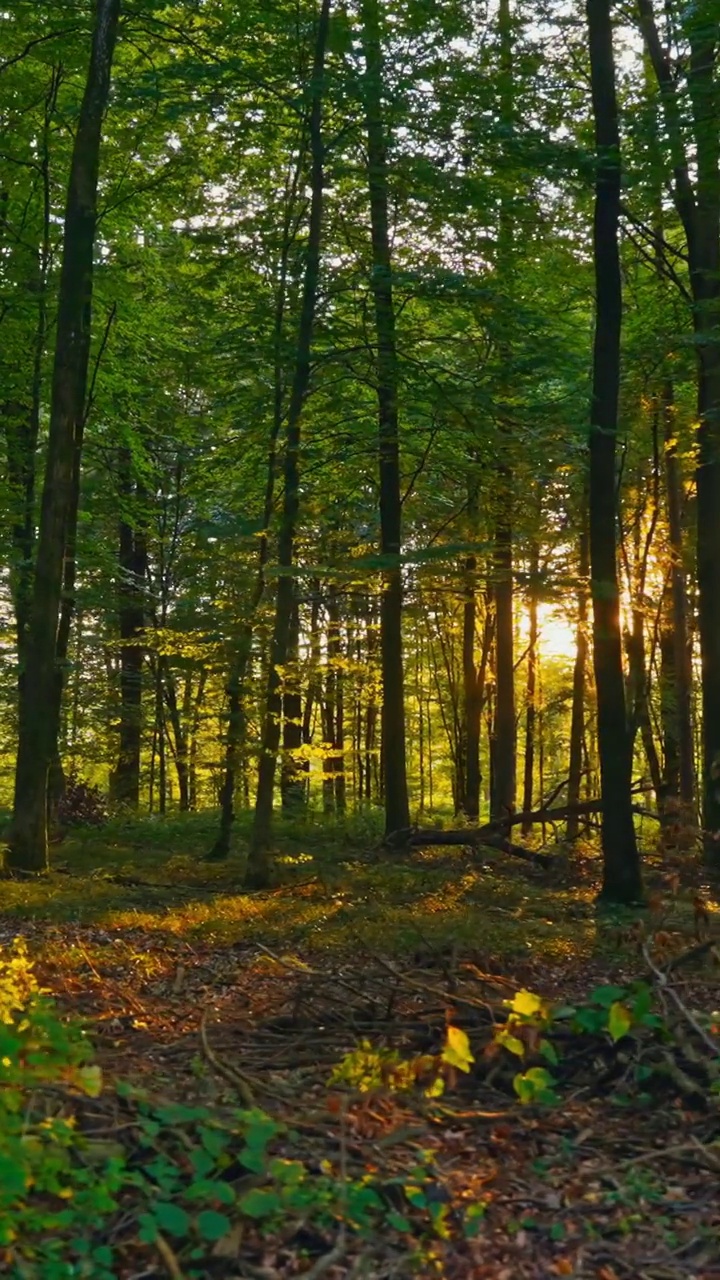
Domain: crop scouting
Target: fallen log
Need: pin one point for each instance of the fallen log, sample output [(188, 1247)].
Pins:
[(495, 835), (415, 838)]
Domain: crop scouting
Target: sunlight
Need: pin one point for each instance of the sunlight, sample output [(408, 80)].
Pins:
[(557, 633)]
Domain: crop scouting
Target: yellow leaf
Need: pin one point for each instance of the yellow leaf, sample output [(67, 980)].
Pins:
[(527, 1003), (457, 1051)]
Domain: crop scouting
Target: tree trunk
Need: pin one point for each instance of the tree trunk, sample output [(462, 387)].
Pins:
[(258, 869), (28, 850), (505, 726), (681, 702), (621, 864), (577, 719), (531, 690), (179, 743), (698, 206), (473, 679), (397, 808), (292, 777), (132, 571)]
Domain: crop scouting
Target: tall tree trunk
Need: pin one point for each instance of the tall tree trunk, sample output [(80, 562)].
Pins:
[(473, 679), (397, 807), (679, 724), (257, 874), (132, 571), (531, 690), (698, 206), (339, 739), (28, 849), (179, 743), (292, 777), (621, 864), (236, 720), (505, 725), (577, 718)]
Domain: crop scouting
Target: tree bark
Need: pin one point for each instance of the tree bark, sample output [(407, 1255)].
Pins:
[(292, 776), (621, 864), (504, 778), (394, 761), (531, 716), (28, 847), (681, 703), (577, 719), (258, 870), (132, 571), (697, 202)]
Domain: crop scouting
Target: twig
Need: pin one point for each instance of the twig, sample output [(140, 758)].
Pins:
[(236, 1078), (682, 1149), (448, 997), (662, 981), (168, 1257), (328, 1260)]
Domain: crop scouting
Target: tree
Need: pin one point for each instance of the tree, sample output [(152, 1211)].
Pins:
[(621, 863), (37, 728), (257, 873), (394, 761), (697, 202)]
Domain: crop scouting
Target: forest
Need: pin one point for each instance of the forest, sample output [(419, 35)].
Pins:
[(360, 620)]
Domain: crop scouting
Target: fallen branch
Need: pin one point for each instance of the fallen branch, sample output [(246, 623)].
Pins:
[(413, 838), (233, 1076), (495, 834), (661, 980)]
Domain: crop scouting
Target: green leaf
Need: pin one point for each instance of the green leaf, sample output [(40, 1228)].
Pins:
[(549, 1052), (172, 1219), (607, 995), (511, 1043), (90, 1080), (259, 1203), (398, 1221), (213, 1226)]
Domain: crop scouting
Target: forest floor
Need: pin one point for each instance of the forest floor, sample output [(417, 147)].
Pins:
[(204, 995)]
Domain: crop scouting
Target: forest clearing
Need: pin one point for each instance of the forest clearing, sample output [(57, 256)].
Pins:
[(360, 636)]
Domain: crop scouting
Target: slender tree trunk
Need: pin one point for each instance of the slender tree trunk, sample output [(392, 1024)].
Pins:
[(505, 725), (179, 742), (680, 706), (531, 690), (194, 734), (292, 777), (704, 38), (472, 677), (132, 572), (339, 787), (312, 697), (698, 205), (258, 869), (236, 721), (577, 719), (621, 864), (397, 808), (28, 849)]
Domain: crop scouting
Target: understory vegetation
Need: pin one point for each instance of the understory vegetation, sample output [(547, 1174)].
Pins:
[(421, 1066), (359, 639)]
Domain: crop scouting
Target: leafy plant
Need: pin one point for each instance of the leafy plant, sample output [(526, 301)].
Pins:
[(81, 805)]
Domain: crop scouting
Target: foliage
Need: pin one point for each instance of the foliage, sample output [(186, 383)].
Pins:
[(81, 805), (191, 1174)]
